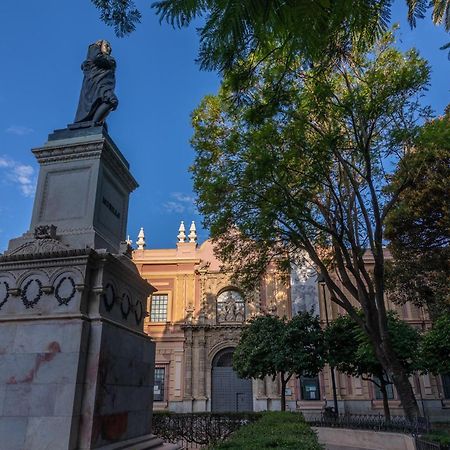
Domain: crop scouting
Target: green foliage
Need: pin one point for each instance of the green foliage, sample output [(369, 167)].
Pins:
[(120, 14), (290, 168), (435, 347), (300, 164), (282, 430), (350, 351), (418, 227), (234, 29), (270, 345), (441, 437), (440, 13)]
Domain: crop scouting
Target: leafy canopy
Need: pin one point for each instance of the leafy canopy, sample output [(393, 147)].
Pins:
[(301, 163), (234, 29), (418, 227), (350, 351), (270, 345), (435, 347)]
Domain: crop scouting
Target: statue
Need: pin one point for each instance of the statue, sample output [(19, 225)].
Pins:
[(97, 98)]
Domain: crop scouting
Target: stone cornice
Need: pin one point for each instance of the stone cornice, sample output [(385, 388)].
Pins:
[(80, 149), (71, 256)]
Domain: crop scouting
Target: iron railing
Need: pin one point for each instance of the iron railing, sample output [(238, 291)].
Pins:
[(423, 444), (199, 430), (375, 422)]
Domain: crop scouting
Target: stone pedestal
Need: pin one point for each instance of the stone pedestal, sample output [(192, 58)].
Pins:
[(83, 189), (76, 368)]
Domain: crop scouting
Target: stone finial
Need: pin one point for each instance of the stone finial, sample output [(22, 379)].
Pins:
[(141, 240), (129, 241), (192, 233), (181, 233)]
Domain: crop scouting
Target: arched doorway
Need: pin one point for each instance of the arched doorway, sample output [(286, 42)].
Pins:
[(229, 392)]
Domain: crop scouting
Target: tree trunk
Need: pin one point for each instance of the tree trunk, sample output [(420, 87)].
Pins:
[(283, 392), (400, 379), (387, 412)]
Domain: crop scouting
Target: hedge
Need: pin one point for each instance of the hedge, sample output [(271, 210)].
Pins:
[(275, 430)]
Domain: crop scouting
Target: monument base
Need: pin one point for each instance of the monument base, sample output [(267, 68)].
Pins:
[(76, 368)]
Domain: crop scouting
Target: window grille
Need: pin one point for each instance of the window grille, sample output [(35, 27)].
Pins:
[(158, 309)]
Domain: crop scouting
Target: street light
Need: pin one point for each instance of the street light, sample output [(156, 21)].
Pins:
[(321, 281)]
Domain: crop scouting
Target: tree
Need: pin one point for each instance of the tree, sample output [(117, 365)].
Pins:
[(350, 351), (234, 29), (435, 347), (301, 166), (418, 227), (273, 346)]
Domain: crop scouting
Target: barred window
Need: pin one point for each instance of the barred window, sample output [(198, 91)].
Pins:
[(158, 388), (379, 394), (158, 308), (310, 388)]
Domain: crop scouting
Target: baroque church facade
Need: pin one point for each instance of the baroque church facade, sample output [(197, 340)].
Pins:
[(195, 318)]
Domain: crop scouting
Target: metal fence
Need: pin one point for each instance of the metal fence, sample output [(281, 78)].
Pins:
[(198, 430), (422, 444), (375, 422)]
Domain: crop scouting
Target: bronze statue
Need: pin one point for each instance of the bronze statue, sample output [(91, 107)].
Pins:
[(97, 98)]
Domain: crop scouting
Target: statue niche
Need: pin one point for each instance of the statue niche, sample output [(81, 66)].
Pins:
[(230, 307), (97, 98)]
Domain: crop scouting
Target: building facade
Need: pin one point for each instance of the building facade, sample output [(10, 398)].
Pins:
[(196, 316)]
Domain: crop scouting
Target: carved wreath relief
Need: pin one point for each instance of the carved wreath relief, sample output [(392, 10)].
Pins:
[(65, 290), (31, 293), (4, 294)]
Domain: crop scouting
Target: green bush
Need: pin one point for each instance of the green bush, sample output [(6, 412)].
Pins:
[(440, 436), (283, 430)]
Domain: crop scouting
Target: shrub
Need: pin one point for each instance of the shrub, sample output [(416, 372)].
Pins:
[(440, 436), (276, 430)]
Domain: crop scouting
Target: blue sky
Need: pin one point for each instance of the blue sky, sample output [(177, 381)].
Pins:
[(42, 44)]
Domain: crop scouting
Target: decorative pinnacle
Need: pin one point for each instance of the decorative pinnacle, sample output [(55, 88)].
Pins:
[(129, 241), (192, 233), (181, 235), (141, 239)]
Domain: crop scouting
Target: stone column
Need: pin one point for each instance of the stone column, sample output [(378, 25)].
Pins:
[(188, 363)]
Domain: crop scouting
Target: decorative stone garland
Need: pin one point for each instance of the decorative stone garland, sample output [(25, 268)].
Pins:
[(139, 316), (5, 298), (65, 300), (125, 298), (23, 295), (109, 304)]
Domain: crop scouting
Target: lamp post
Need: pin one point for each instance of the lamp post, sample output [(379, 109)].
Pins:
[(321, 282)]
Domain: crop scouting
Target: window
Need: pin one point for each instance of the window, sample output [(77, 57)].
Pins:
[(230, 307), (310, 388), (158, 309), (446, 384), (158, 388), (378, 393)]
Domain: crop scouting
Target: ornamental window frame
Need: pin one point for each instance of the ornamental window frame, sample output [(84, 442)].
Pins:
[(226, 311)]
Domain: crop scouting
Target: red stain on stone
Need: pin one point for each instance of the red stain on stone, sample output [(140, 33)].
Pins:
[(41, 358), (29, 377), (113, 426)]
